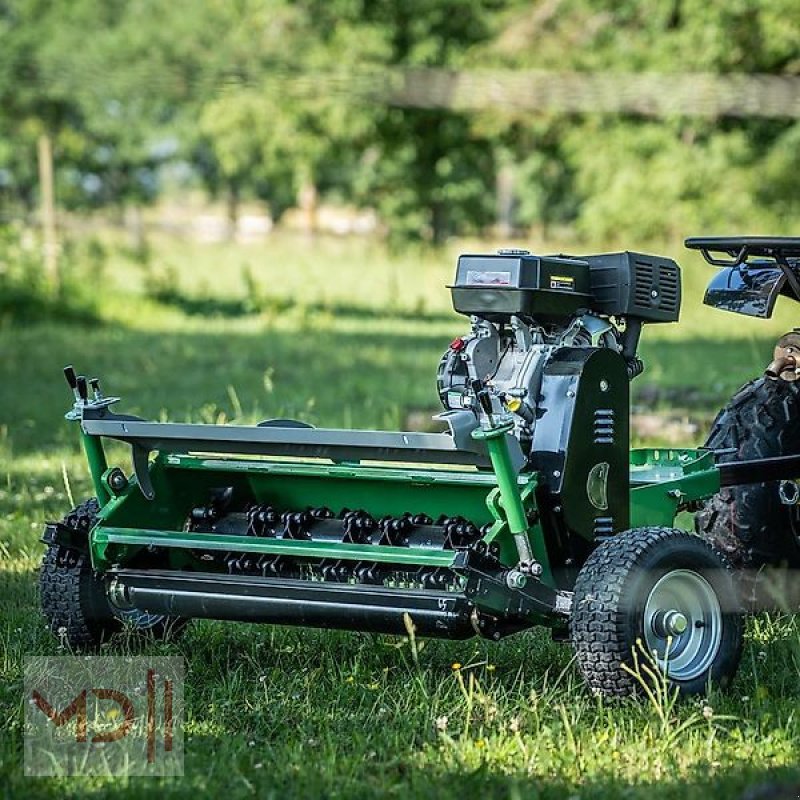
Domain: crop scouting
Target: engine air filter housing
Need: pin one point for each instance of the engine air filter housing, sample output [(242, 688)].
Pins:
[(635, 285), (495, 287)]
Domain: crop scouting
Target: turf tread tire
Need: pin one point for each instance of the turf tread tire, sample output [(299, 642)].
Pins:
[(602, 629), (73, 596)]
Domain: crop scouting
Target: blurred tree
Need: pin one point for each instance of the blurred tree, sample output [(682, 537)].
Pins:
[(429, 172), (31, 106), (270, 131), (276, 99), (613, 177)]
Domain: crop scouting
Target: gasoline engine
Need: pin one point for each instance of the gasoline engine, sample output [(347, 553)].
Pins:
[(524, 309)]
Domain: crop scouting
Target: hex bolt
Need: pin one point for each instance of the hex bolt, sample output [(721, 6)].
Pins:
[(516, 579), (117, 480)]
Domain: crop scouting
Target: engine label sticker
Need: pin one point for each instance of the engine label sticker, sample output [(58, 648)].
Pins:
[(562, 282), (488, 278)]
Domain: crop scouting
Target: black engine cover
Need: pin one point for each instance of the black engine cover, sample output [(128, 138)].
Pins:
[(581, 440)]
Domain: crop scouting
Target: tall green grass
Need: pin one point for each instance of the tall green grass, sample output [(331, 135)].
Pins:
[(339, 332)]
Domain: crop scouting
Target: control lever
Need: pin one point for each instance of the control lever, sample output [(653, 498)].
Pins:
[(484, 399), (72, 380), (82, 388)]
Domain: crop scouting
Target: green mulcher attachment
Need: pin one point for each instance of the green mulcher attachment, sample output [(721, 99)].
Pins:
[(529, 509)]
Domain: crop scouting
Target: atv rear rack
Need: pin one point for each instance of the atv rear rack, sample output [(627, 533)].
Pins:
[(756, 270), (741, 248)]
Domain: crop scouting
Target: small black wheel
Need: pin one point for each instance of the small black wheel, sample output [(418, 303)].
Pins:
[(665, 594), (75, 600)]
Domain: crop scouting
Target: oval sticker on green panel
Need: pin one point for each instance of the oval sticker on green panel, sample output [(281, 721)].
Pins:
[(597, 486)]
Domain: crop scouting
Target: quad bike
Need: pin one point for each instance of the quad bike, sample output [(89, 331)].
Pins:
[(529, 509), (757, 525)]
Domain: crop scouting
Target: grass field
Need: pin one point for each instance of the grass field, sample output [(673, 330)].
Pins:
[(342, 334)]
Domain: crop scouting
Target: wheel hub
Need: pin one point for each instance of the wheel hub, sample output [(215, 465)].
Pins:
[(669, 623), (683, 624)]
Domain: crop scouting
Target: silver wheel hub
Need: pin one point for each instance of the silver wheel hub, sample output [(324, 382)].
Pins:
[(683, 624)]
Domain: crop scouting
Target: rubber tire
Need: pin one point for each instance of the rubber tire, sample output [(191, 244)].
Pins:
[(748, 523), (607, 619), (73, 596)]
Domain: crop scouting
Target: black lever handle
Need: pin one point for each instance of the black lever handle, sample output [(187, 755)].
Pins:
[(95, 384), (83, 389), (69, 374), (483, 396)]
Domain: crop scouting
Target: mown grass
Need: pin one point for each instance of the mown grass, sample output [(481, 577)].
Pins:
[(342, 334)]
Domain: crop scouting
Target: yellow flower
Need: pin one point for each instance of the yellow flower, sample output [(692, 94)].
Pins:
[(456, 666), (490, 668)]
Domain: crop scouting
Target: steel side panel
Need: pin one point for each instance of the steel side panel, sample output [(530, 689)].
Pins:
[(309, 442)]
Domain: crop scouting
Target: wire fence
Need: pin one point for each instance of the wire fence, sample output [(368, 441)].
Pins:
[(646, 94)]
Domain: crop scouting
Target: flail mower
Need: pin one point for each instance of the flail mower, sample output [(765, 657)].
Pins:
[(528, 509)]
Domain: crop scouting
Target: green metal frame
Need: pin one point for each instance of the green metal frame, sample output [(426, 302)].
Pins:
[(128, 522), (663, 482)]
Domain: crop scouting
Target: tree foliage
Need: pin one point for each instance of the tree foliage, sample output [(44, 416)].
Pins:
[(234, 92)]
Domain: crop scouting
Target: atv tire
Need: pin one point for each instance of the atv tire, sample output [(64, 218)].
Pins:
[(748, 523)]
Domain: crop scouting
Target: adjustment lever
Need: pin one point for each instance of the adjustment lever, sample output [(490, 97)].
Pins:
[(484, 399), (72, 379), (81, 385), (83, 389)]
